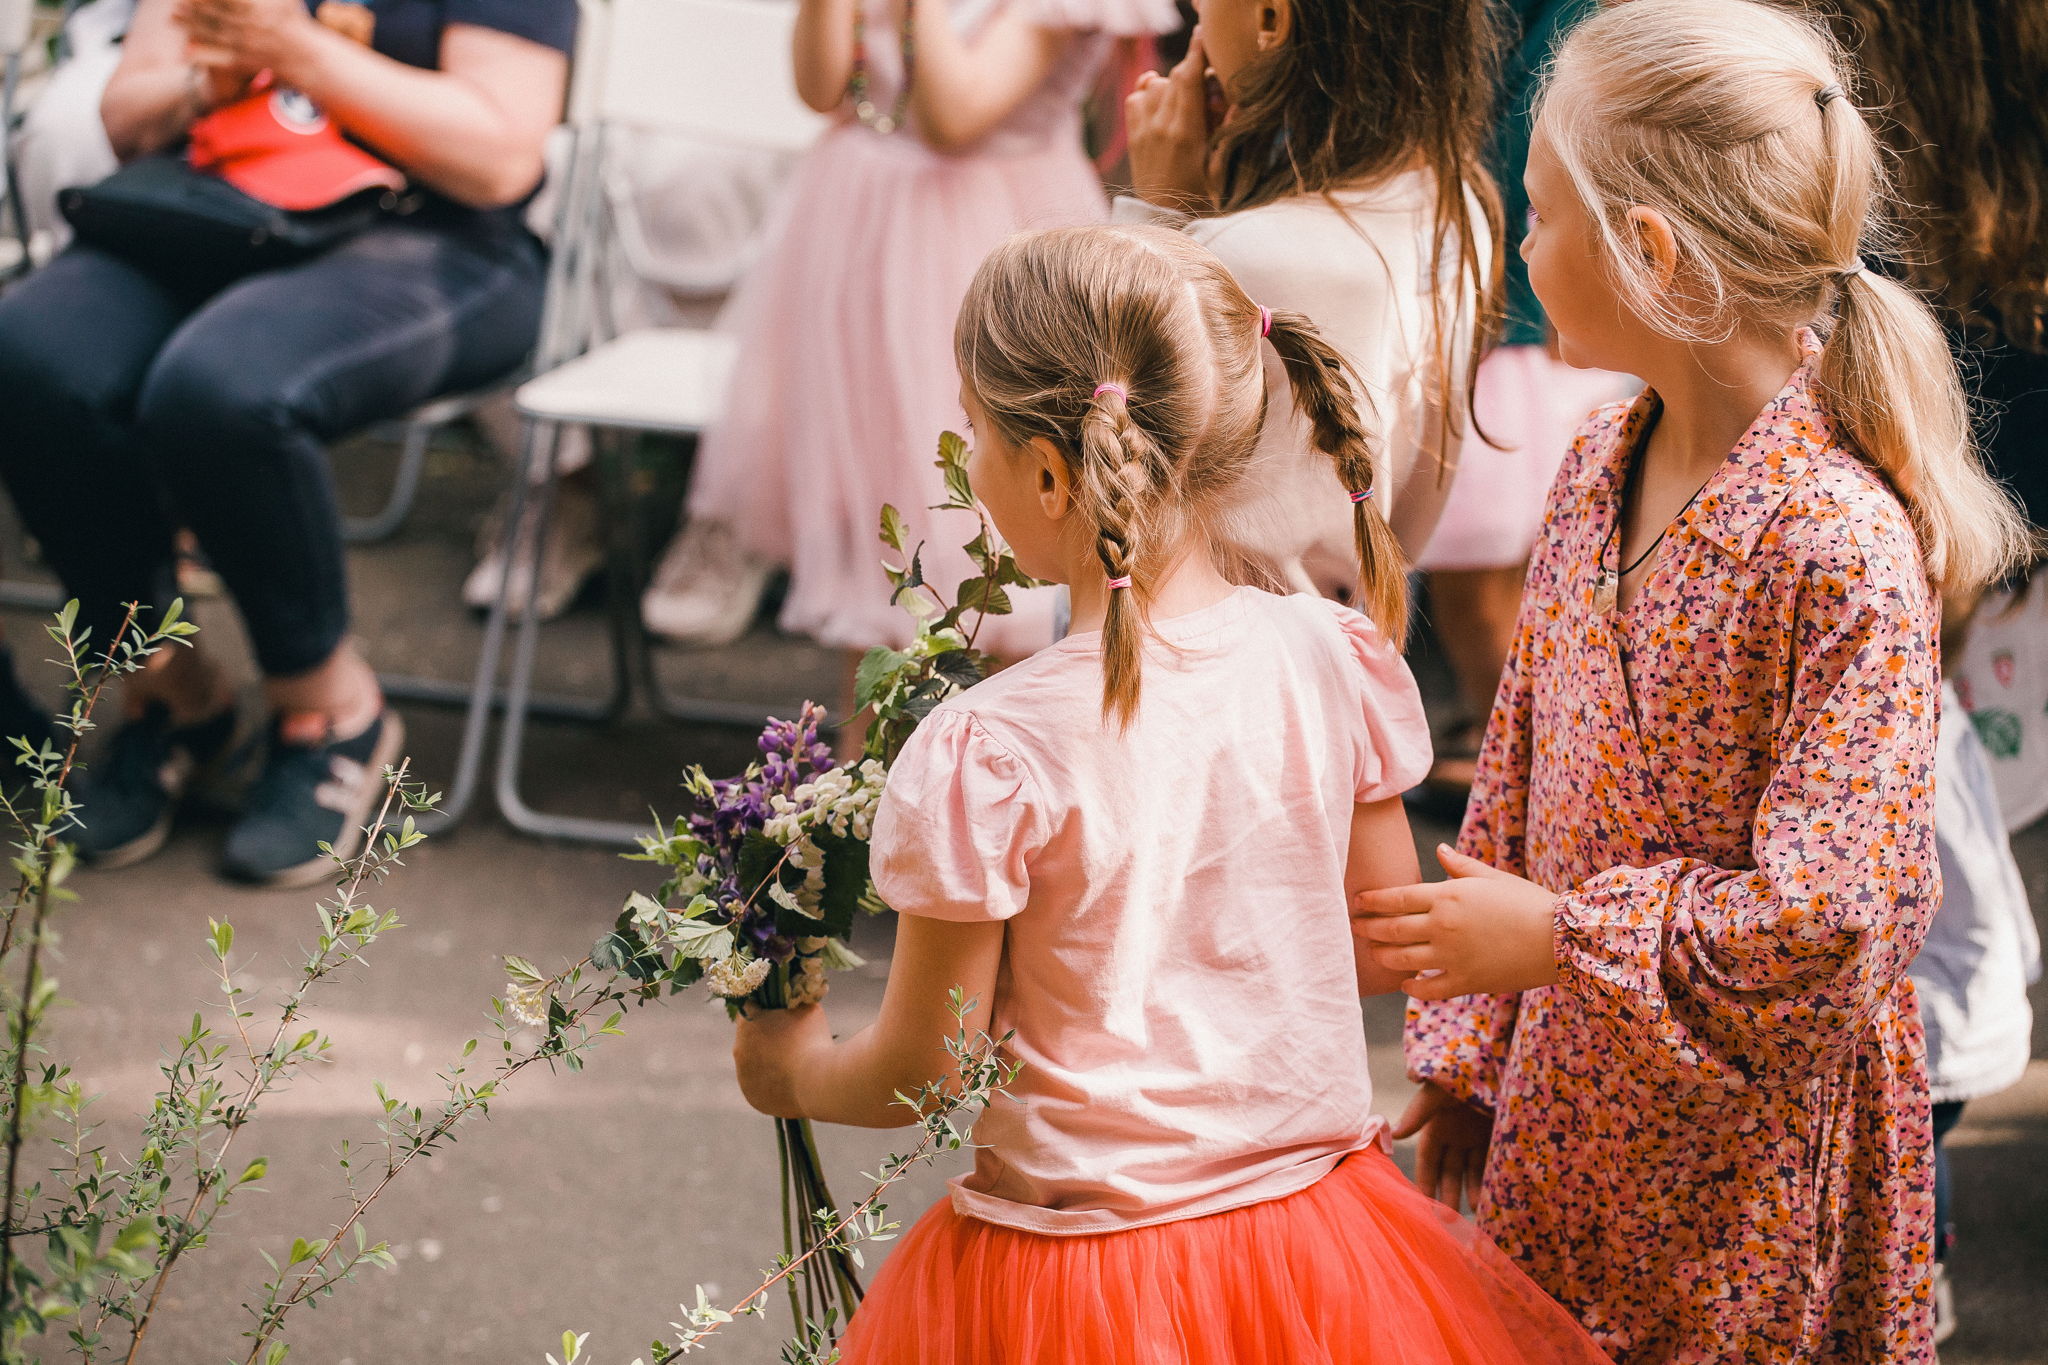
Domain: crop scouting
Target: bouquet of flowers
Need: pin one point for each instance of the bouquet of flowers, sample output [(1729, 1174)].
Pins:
[(769, 873)]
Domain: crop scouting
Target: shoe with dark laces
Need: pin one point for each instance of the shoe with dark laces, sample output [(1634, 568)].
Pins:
[(129, 794), (307, 795)]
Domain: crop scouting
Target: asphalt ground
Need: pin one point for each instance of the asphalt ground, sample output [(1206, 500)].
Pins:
[(597, 1201)]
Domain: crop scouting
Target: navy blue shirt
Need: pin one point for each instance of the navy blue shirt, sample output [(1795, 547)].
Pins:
[(410, 30)]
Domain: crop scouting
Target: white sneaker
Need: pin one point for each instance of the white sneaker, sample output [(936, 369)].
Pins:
[(572, 554), (1944, 1304), (706, 590)]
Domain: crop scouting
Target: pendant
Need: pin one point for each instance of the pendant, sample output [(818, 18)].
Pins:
[(1605, 589)]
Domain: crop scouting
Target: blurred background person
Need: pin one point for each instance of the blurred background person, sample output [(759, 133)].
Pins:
[(1333, 156), (1527, 404), (137, 400), (957, 122)]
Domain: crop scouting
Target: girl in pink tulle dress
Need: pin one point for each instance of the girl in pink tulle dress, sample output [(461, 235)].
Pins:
[(846, 375)]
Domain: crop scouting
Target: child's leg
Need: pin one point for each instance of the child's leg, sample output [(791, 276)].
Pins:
[(1945, 1118)]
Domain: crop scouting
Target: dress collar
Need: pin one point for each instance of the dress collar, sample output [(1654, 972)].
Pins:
[(1753, 482)]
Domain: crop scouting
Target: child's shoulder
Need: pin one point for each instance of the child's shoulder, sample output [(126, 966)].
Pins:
[(1839, 517)]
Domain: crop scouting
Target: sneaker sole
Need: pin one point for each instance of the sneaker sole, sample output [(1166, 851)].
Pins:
[(320, 869), (143, 846)]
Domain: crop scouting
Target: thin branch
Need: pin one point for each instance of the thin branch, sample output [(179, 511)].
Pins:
[(238, 1116)]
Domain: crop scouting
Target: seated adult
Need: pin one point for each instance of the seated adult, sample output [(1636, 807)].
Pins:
[(135, 401)]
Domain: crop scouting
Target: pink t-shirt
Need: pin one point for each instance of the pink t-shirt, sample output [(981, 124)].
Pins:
[(1178, 968)]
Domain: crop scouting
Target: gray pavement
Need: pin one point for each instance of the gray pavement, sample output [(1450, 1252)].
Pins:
[(596, 1201)]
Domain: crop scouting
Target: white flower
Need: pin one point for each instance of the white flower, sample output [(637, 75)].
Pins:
[(527, 1004), (808, 984), (737, 976)]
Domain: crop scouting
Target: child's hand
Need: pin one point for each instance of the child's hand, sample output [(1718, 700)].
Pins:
[(768, 1052), (1450, 1161), (1167, 121), (1483, 930)]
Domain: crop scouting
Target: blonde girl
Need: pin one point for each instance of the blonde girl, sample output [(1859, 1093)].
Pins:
[(1133, 849), (1668, 1040)]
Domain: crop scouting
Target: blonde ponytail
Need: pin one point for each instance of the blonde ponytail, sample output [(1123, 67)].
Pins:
[(1730, 118), (1888, 379), (1326, 394)]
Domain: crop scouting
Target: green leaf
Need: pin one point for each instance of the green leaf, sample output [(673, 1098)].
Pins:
[(877, 671), (894, 533), (959, 667), (759, 857), (952, 462), (846, 882), (701, 940), (522, 971), (979, 594), (255, 1170)]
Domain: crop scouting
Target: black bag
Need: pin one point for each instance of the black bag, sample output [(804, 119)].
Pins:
[(186, 224)]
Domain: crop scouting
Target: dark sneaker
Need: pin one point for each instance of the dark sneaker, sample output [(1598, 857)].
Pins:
[(308, 795), (127, 796)]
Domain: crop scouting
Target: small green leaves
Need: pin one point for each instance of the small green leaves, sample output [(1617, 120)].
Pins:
[(952, 463), (223, 937)]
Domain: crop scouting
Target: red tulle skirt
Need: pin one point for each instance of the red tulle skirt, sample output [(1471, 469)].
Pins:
[(1358, 1269)]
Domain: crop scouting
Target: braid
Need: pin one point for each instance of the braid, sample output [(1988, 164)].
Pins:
[(1119, 468), (1327, 395)]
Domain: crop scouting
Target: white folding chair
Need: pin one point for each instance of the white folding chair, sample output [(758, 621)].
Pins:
[(712, 69)]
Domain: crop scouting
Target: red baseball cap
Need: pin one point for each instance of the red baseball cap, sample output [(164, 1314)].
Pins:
[(277, 146)]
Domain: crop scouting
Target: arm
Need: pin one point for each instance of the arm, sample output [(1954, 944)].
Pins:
[(1461, 1045), (790, 1066), (963, 89), (1382, 855), (1767, 977), (473, 130), (822, 52), (158, 89)]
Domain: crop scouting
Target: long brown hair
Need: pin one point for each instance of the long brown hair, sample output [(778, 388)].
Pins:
[(1959, 84), (1136, 356), (1361, 91), (1729, 118)]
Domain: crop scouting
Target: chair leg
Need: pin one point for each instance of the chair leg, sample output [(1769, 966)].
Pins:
[(512, 737), (537, 449), (405, 487)]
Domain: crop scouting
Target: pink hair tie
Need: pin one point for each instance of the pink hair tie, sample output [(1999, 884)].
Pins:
[(1265, 321), (1123, 582), (1119, 390), (1362, 497)]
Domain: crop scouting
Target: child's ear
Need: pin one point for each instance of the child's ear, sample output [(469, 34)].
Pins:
[(1276, 23), (1657, 243), (1055, 483)]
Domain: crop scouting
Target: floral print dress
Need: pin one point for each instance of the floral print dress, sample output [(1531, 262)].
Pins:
[(1711, 1139)]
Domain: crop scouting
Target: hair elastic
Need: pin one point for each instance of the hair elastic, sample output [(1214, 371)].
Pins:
[(1119, 390), (1852, 270), (1362, 496), (1828, 94), (1265, 321), (1123, 582)]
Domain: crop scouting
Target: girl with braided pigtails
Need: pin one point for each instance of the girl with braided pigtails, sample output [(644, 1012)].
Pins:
[(1133, 851)]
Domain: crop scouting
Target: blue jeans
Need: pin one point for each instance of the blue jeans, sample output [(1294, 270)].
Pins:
[(1945, 1118), (132, 405)]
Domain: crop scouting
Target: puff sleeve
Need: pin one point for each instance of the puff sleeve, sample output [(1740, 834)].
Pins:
[(1391, 748), (1119, 18), (959, 823)]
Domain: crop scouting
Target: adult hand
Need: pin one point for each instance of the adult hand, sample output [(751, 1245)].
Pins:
[(768, 1052), (1450, 1161), (1167, 121), (246, 35), (1483, 930)]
